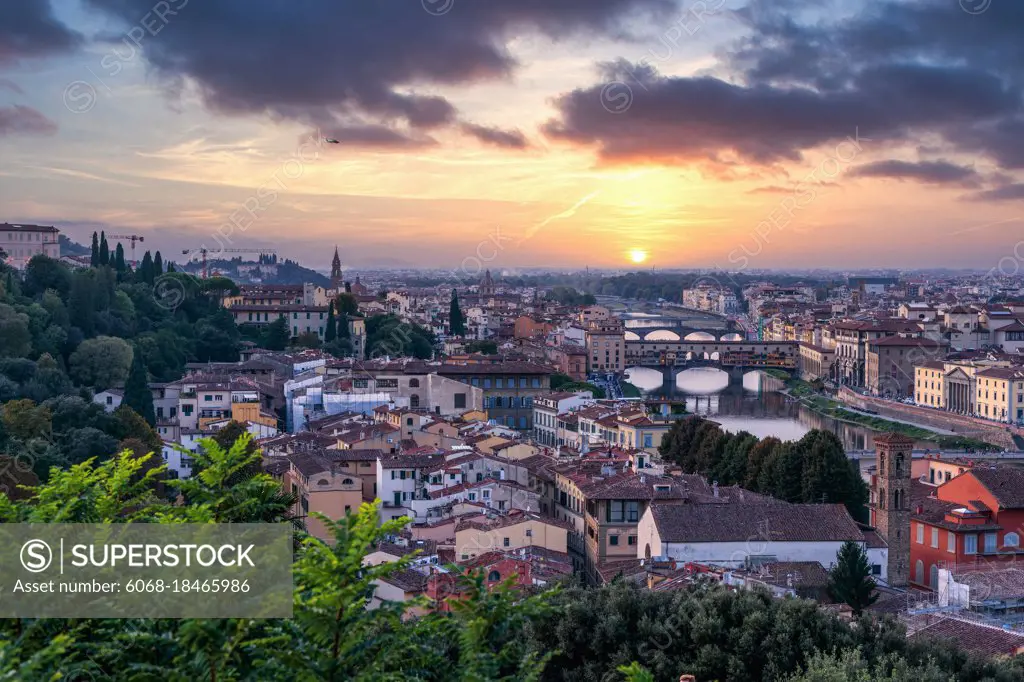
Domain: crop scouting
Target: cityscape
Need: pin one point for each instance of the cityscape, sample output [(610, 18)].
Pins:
[(630, 340)]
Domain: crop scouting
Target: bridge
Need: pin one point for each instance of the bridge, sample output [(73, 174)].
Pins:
[(731, 355), (680, 333)]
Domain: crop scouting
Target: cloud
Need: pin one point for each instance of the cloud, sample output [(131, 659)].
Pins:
[(509, 139), (29, 29), (1010, 192), (930, 172), (357, 64), (22, 120), (7, 84)]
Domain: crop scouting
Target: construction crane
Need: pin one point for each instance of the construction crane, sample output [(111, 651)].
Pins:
[(202, 252), (132, 238)]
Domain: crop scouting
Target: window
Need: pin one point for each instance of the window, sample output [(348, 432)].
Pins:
[(990, 542), (494, 576), (919, 572), (522, 382), (487, 383), (472, 497), (414, 383), (505, 542), (970, 544), (613, 540), (935, 537), (460, 401), (920, 533), (951, 542), (622, 511), (1011, 540), (487, 494), (499, 383), (529, 532), (631, 540)]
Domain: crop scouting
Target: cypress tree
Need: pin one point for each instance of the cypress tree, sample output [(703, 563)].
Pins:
[(136, 389), (331, 332), (104, 250), (158, 265), (146, 268), (170, 266), (119, 263), (343, 332), (455, 320), (850, 579), (94, 256)]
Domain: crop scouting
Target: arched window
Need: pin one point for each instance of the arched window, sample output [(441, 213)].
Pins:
[(414, 400), (647, 551), (881, 464), (323, 481), (1011, 540), (933, 577), (898, 470), (494, 576), (347, 481), (414, 383), (919, 572)]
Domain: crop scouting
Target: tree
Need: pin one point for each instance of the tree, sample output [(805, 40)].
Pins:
[(308, 340), (850, 580), (15, 337), (119, 264), (346, 303), (102, 362), (146, 268), (137, 395), (42, 273), (24, 420), (94, 255), (158, 265), (331, 331), (275, 335), (456, 323), (483, 347), (104, 249)]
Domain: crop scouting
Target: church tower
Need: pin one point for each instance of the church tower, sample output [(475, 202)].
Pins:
[(487, 285), (890, 506), (337, 282)]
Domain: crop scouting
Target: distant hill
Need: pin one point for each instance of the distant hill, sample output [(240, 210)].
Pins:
[(252, 272), (70, 248)]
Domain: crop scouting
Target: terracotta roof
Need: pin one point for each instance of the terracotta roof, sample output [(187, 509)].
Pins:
[(809, 574), (410, 461), (987, 640), (1006, 484), (778, 522), (408, 580)]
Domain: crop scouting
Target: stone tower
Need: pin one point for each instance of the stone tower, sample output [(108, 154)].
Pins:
[(891, 502), (487, 285), (337, 282)]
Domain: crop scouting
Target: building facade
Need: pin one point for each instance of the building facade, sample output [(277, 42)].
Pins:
[(890, 503), (22, 242)]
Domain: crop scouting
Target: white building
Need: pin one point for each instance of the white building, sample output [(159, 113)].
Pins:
[(546, 409), (22, 242), (110, 399), (739, 535)]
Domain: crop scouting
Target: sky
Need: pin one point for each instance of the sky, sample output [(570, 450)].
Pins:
[(733, 134)]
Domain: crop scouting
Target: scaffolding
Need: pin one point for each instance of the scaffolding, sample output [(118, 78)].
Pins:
[(985, 594)]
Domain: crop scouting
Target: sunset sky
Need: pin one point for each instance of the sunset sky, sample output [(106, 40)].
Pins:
[(760, 134)]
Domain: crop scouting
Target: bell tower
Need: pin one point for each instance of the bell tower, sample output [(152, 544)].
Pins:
[(890, 508), (337, 282)]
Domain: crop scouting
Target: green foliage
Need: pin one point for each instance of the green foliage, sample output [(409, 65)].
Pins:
[(456, 322), (275, 336), (331, 331), (137, 395), (569, 296), (15, 338), (850, 580), (346, 303), (389, 335), (484, 347), (102, 362), (813, 469)]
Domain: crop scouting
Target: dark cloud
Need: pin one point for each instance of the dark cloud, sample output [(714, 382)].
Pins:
[(931, 172), (635, 114), (510, 139), (29, 29), (1010, 192), (22, 120), (351, 64), (900, 73)]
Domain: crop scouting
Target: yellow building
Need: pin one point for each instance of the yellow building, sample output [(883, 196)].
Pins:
[(1001, 394), (929, 384), (476, 536)]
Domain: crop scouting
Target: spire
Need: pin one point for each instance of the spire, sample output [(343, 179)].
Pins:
[(336, 278)]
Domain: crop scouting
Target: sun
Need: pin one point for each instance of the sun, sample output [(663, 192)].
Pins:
[(637, 255)]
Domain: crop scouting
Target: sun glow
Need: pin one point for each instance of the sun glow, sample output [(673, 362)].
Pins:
[(637, 255)]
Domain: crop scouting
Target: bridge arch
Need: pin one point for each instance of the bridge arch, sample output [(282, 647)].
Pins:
[(661, 335), (699, 336), (731, 336), (631, 336)]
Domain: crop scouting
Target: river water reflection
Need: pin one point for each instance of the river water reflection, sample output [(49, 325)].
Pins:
[(755, 405)]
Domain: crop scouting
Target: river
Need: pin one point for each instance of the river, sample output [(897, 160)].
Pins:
[(756, 406)]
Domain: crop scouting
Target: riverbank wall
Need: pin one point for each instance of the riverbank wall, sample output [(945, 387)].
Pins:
[(972, 427)]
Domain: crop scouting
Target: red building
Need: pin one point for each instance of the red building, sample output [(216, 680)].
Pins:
[(496, 567), (974, 519)]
